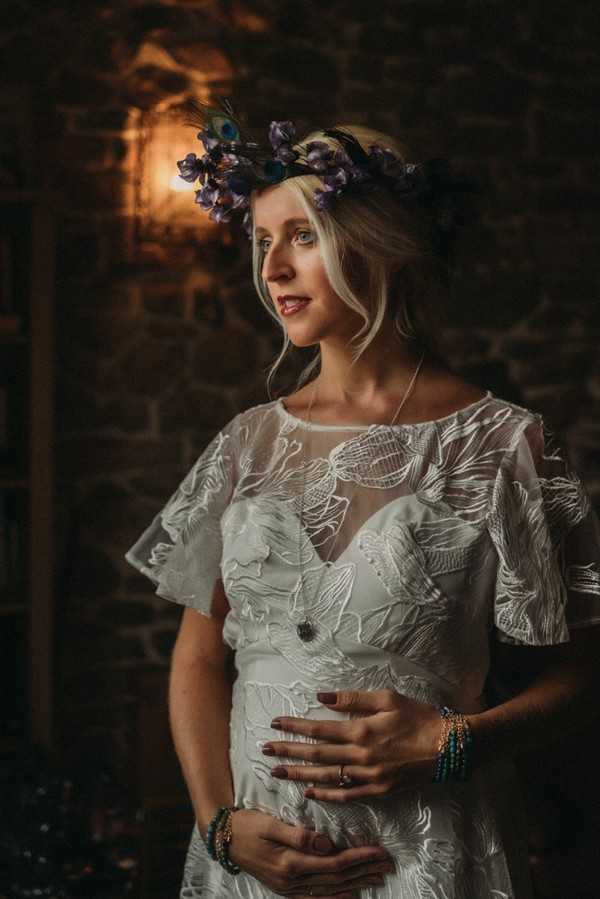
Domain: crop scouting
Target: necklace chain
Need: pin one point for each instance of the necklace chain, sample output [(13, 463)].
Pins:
[(307, 629)]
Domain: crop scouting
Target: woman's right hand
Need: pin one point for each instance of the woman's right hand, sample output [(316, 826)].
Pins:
[(288, 860)]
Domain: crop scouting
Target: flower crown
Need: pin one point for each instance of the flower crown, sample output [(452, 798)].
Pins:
[(233, 166)]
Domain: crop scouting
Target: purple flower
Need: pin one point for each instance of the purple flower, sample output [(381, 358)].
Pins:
[(324, 199), (385, 161), (239, 201), (191, 168), (220, 213), (207, 196), (281, 133), (286, 154), (238, 185), (337, 179), (318, 155)]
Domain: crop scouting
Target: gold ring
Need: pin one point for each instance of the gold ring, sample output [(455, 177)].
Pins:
[(344, 780)]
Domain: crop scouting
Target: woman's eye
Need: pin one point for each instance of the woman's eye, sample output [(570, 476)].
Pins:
[(303, 237)]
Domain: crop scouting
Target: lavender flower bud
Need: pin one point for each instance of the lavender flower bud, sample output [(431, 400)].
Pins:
[(207, 196), (281, 133), (285, 154), (191, 168)]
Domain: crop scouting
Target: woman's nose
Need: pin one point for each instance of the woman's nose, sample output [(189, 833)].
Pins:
[(277, 266)]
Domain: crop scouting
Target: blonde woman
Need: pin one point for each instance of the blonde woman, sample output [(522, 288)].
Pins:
[(362, 553)]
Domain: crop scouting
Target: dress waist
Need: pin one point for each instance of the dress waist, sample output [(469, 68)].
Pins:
[(370, 669)]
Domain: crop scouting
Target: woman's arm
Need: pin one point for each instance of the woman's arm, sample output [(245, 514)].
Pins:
[(557, 694), (200, 707), (391, 741)]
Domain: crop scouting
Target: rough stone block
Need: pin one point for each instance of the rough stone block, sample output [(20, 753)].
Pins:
[(230, 368), (113, 516), (127, 614), (150, 84), (111, 119), (163, 300), (194, 409), (377, 41), (78, 251), (494, 299), (294, 63), (93, 456), (78, 88), (489, 139), (92, 573), (156, 16), (488, 90), (149, 367), (567, 135)]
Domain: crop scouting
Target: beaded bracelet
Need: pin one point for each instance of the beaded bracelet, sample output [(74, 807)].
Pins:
[(455, 747), (219, 836), (222, 841), (212, 829)]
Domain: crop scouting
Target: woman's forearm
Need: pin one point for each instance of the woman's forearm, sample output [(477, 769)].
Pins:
[(199, 709), (562, 699)]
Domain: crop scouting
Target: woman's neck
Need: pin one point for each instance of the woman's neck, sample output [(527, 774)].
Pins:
[(383, 370)]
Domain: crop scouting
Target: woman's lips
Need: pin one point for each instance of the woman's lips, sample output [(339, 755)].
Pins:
[(291, 305)]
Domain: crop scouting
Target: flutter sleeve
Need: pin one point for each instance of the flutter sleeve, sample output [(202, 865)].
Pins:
[(547, 539), (181, 549)]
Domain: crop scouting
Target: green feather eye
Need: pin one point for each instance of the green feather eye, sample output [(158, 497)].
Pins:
[(224, 128)]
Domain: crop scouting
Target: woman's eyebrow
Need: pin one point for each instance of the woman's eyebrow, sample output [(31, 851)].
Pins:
[(293, 221)]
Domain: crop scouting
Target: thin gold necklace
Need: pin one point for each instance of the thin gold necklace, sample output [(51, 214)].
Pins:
[(307, 629)]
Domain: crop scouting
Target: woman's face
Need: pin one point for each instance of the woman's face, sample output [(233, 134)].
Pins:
[(293, 268)]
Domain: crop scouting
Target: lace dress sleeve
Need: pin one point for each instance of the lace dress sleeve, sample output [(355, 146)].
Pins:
[(181, 549), (547, 538)]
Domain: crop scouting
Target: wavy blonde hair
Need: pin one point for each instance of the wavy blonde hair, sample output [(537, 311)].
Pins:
[(377, 255)]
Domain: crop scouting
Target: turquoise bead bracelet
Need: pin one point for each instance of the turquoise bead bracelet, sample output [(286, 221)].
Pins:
[(455, 748)]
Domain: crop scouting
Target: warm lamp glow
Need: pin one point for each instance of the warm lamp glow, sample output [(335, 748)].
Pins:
[(177, 183), (166, 200)]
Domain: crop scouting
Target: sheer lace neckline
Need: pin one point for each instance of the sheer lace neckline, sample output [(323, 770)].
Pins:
[(319, 426)]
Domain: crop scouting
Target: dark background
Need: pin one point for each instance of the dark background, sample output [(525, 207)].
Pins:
[(160, 338)]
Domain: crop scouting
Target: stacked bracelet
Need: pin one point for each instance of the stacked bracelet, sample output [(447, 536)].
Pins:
[(218, 838), (455, 747)]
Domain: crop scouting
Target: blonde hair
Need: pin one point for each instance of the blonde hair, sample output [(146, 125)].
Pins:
[(377, 255)]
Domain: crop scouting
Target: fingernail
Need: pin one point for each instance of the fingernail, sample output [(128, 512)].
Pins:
[(276, 724), (327, 698), (268, 749), (279, 772), (323, 844)]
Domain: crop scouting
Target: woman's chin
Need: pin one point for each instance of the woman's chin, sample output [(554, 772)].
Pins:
[(302, 338)]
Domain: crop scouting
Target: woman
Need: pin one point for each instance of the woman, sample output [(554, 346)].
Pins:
[(366, 550)]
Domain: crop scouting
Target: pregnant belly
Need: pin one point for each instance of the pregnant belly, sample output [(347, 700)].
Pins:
[(373, 821)]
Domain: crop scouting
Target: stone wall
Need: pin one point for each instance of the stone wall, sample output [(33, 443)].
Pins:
[(160, 344)]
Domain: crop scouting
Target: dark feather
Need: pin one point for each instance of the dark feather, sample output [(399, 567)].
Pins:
[(350, 145)]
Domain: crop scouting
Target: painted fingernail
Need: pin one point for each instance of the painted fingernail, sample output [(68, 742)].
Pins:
[(268, 749), (276, 723), (327, 698), (279, 772)]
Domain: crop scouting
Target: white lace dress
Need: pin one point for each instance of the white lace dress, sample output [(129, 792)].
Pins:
[(448, 534)]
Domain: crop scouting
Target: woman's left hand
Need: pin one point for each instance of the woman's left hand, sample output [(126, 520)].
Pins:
[(392, 746)]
